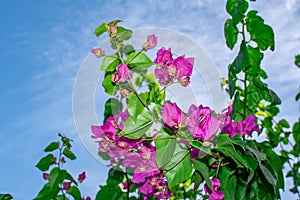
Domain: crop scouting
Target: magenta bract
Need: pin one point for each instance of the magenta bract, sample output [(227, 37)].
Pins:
[(201, 123), (122, 75), (173, 116)]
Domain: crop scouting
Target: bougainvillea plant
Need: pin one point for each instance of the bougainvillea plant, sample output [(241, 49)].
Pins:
[(60, 184), (155, 150)]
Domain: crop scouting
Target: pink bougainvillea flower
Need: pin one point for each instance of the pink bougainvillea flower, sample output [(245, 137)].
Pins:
[(164, 57), (81, 177), (214, 193), (122, 75), (151, 42), (248, 125), (244, 127), (102, 131), (45, 176), (155, 186), (66, 185), (173, 116), (163, 76), (98, 52), (201, 123), (184, 66)]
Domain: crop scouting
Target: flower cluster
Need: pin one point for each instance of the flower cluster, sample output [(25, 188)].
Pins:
[(243, 127), (132, 153), (203, 125), (147, 173), (168, 69), (114, 145)]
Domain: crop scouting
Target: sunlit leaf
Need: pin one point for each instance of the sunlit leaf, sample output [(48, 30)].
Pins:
[(165, 147), (45, 162), (52, 146), (231, 33), (134, 129)]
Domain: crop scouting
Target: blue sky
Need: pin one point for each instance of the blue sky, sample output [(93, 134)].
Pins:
[(44, 43)]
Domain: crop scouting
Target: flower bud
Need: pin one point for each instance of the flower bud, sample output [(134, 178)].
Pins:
[(151, 42), (185, 81), (45, 176), (98, 52), (113, 30), (66, 185)]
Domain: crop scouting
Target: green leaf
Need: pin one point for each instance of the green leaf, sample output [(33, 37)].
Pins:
[(110, 63), (134, 104), (261, 33), (296, 132), (138, 80), (297, 97), (255, 57), (101, 29), (260, 156), (268, 174), (64, 175), (45, 162), (123, 33), (114, 177), (54, 178), (52, 146), (231, 33), (197, 180), (114, 22), (109, 193), (275, 100), (127, 49), (199, 146), (284, 123), (69, 154), (112, 107), (134, 129), (104, 155), (139, 61), (5, 197), (241, 61), (74, 192), (228, 183), (225, 147), (108, 85), (204, 170), (47, 193), (57, 176), (237, 9), (258, 83), (165, 147), (179, 168)]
